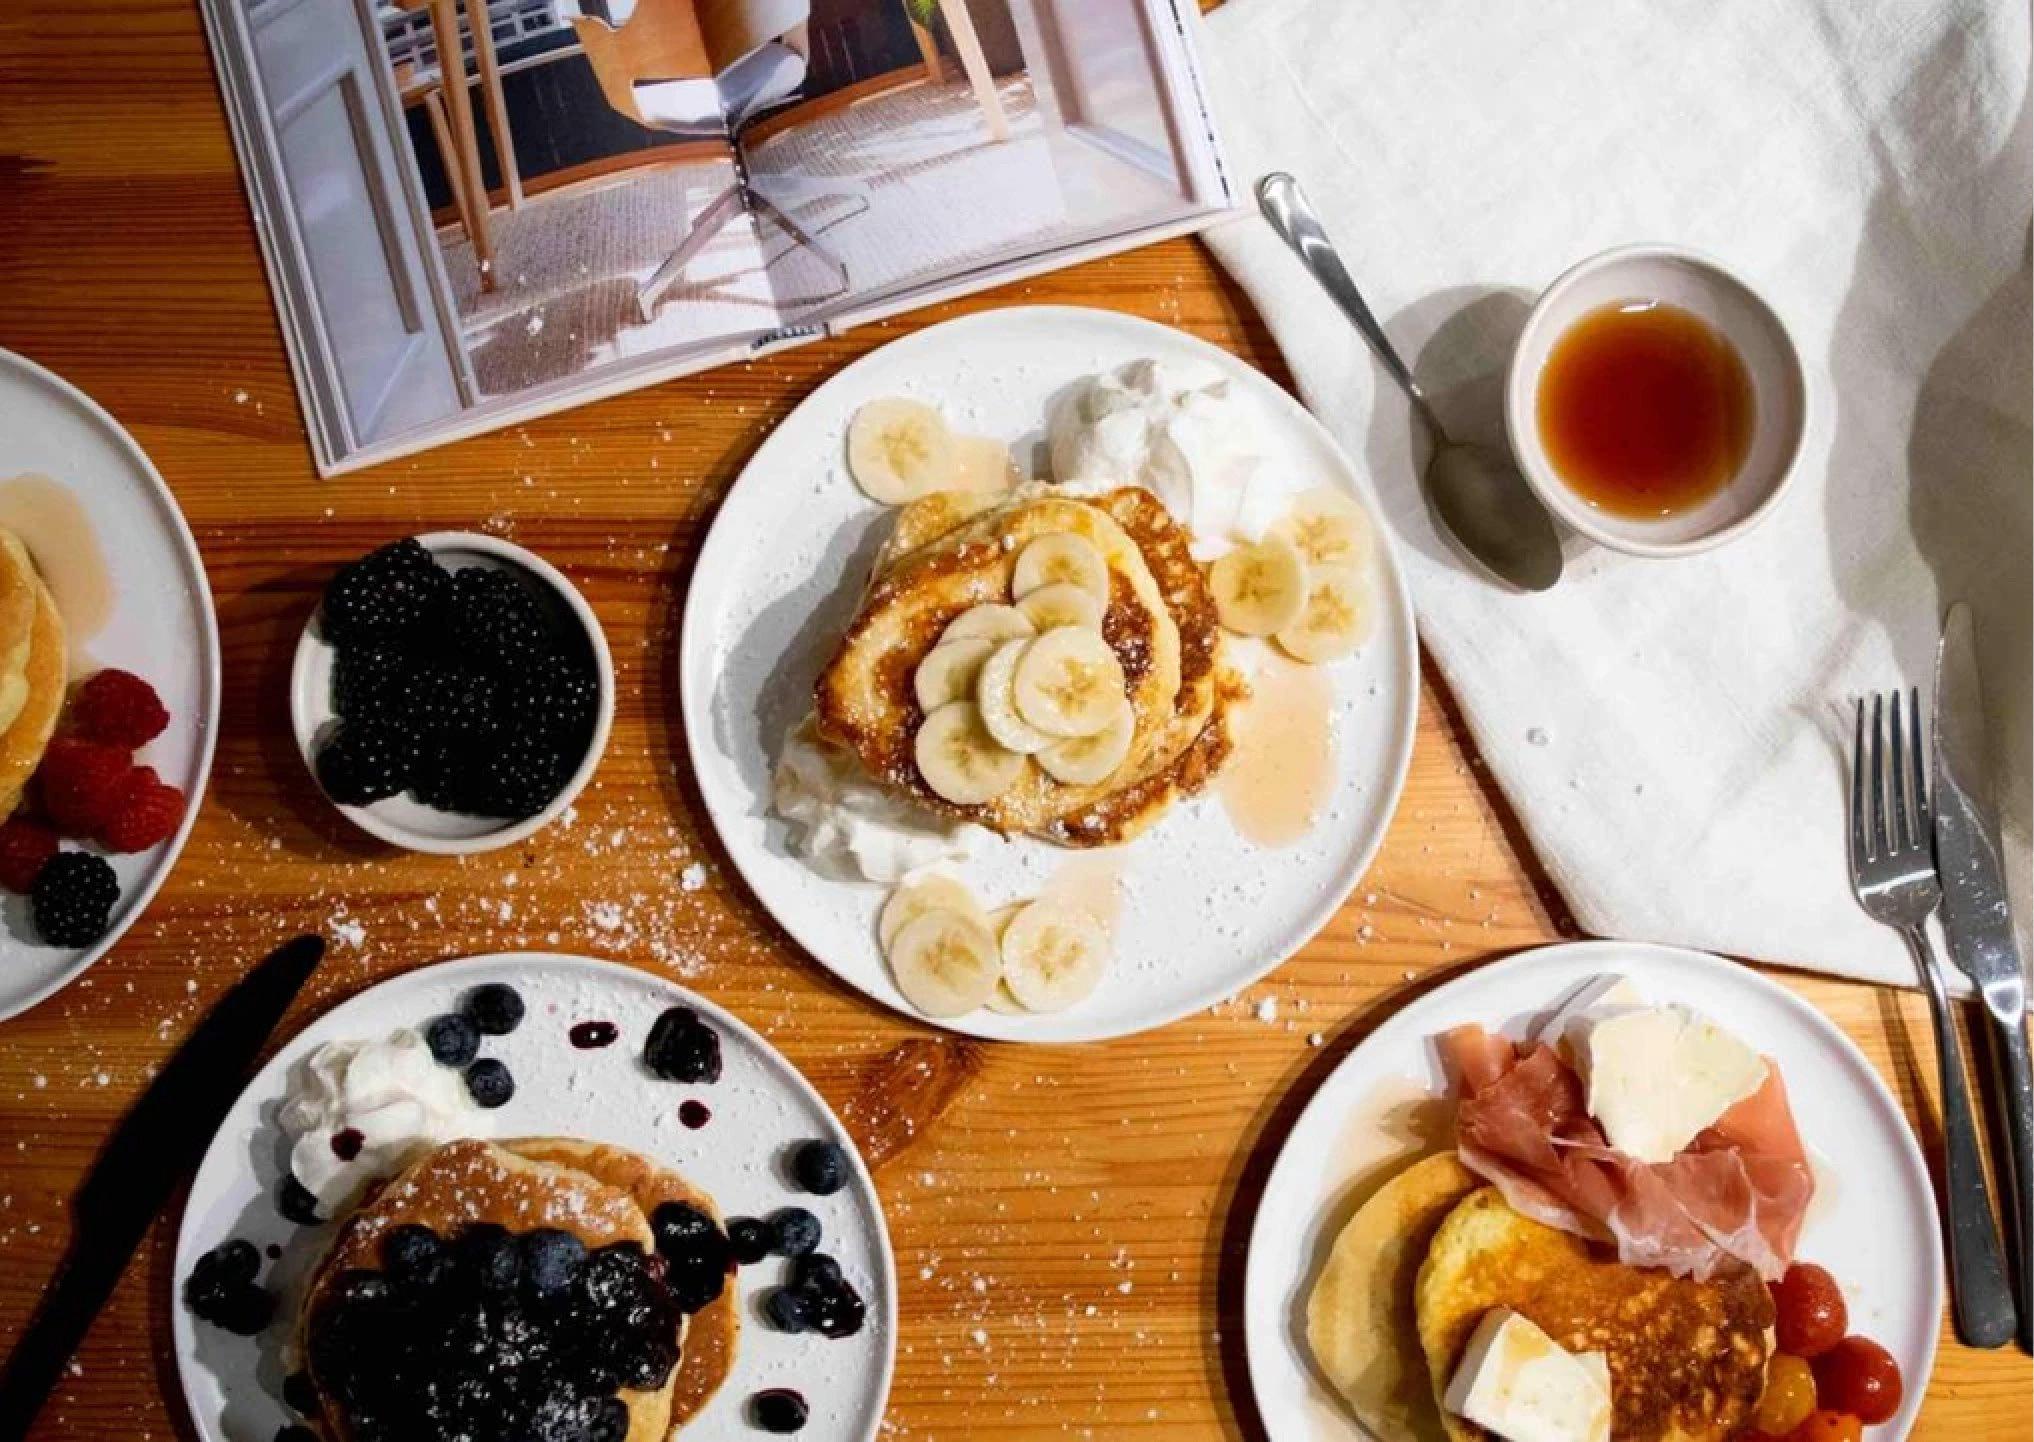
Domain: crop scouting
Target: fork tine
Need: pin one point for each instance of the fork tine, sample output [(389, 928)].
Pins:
[(1877, 837), (1924, 815), (1902, 833), (1860, 849)]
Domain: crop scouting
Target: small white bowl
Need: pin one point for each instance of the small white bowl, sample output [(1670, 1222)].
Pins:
[(402, 820), (1695, 283)]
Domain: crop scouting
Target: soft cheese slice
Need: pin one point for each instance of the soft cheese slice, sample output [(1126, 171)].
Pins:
[(1516, 1381), (1657, 1075)]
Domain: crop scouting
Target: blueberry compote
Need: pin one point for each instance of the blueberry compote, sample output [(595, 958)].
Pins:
[(492, 1335)]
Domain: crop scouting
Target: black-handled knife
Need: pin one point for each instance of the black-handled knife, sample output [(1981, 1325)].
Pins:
[(157, 1143)]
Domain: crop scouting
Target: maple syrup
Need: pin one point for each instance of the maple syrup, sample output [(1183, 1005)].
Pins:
[(57, 530), (1284, 764), (1644, 409)]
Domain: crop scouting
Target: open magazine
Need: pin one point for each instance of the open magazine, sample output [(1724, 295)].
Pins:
[(477, 211)]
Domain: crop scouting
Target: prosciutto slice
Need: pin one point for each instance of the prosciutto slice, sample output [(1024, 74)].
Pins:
[(1737, 1193)]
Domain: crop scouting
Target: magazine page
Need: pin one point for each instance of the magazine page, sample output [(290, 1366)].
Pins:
[(923, 140)]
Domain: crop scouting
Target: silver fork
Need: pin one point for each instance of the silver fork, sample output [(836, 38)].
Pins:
[(1892, 870)]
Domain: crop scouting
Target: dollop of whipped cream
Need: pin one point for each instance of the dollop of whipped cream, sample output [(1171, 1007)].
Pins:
[(1192, 443), (357, 1111), (845, 825)]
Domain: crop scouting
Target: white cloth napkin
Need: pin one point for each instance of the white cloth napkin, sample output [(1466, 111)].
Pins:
[(1674, 733)]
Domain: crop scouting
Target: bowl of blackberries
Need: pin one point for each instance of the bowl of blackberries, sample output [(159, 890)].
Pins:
[(453, 693)]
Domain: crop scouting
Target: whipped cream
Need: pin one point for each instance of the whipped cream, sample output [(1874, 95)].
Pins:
[(357, 1111), (846, 825), (1191, 443)]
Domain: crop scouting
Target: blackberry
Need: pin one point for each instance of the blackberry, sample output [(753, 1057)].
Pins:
[(443, 775), (518, 777), (387, 595), (820, 1167), (367, 682), (490, 1083), (682, 1048), (557, 696), (449, 700), (453, 1039), (367, 761), (495, 619), (750, 1240), (794, 1232), (73, 898), (495, 1007)]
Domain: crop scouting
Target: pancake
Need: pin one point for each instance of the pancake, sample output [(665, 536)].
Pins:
[(710, 1334), (1687, 1359), (1361, 1322), (465, 1182), (950, 551), (20, 584), (47, 676)]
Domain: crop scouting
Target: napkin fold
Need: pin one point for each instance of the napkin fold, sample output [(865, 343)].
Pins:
[(1674, 734)]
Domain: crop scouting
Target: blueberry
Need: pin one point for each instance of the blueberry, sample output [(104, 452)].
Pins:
[(679, 1228), (221, 1289), (682, 1048), (789, 1310), (294, 1200), (411, 1254), (820, 1167), (453, 1039), (750, 1239), (779, 1410), (837, 1311), (235, 1261), (496, 1008), (817, 1273), (296, 1433), (795, 1232), (490, 1083), (362, 1290), (697, 1255), (489, 1259), (301, 1394), (550, 1259)]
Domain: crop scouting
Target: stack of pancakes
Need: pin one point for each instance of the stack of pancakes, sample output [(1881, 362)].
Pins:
[(951, 551), (1434, 1249), (604, 1195), (33, 669)]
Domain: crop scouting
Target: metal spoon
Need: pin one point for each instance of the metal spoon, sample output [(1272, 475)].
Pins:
[(1476, 490)]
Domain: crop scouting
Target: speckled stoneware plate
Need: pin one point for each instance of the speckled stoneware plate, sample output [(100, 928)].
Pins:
[(1872, 1222), (1204, 912), (761, 1109), (157, 622)]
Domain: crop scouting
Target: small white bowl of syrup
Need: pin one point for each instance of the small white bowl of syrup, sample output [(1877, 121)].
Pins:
[(1655, 402)]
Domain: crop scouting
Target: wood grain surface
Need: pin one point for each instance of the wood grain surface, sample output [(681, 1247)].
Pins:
[(1069, 1221)]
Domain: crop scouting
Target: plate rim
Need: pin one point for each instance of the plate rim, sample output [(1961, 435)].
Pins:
[(181, 1331), (208, 729), (1257, 1347), (694, 708)]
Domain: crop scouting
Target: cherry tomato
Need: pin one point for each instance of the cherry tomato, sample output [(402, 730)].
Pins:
[(1858, 1376), (1789, 1396), (1828, 1427), (1809, 1313)]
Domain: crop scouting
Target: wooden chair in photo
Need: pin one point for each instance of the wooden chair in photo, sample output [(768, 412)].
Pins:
[(700, 73)]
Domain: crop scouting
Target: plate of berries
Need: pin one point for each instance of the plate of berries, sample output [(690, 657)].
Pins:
[(109, 682)]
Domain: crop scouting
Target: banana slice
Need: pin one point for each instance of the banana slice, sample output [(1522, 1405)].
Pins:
[(1068, 683), (1260, 588), (1336, 619), (921, 898), (1053, 955), (899, 450), (1091, 760), (945, 963), (982, 464), (996, 695), (1329, 527), (988, 623), (1002, 1000), (1060, 558), (960, 760), (948, 673), (1062, 604)]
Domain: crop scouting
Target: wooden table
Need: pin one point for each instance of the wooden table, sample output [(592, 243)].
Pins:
[(1069, 1221)]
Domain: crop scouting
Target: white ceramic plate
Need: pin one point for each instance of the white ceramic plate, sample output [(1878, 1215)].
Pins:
[(1872, 1223), (160, 626), (1205, 912), (761, 1108)]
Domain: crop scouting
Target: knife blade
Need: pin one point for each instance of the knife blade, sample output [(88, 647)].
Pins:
[(1978, 923), (159, 1140)]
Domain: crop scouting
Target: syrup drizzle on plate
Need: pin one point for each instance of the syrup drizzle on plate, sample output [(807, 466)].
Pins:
[(1284, 766), (58, 532)]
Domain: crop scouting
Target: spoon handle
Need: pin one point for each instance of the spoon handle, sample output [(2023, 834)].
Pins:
[(1284, 204)]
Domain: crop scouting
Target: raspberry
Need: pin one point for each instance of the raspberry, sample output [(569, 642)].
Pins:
[(24, 847), (81, 783), (73, 898), (147, 814), (118, 708)]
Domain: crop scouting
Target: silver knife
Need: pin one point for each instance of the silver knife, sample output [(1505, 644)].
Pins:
[(1978, 923)]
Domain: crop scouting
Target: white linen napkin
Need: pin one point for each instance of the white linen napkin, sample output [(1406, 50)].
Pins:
[(1674, 733)]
